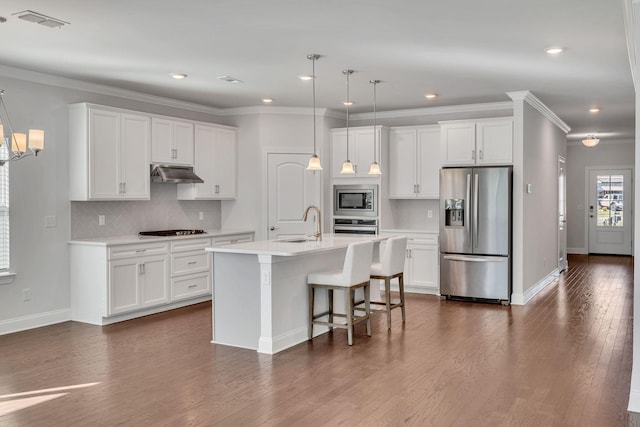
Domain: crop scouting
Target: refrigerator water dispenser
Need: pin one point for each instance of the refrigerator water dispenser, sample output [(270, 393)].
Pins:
[(454, 213)]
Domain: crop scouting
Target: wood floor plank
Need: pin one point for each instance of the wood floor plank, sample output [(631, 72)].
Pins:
[(564, 359)]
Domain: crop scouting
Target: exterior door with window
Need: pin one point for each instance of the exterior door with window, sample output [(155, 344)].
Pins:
[(609, 210)]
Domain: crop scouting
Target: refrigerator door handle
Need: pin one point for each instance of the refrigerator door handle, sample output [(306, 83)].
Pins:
[(465, 258), (467, 214), (475, 211)]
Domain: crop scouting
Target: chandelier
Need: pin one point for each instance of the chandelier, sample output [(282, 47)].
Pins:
[(18, 145)]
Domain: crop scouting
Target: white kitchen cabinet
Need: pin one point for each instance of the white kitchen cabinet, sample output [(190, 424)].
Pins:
[(477, 142), (215, 163), (109, 154), (190, 268), (232, 238), (414, 162), (171, 141), (362, 150), (136, 283)]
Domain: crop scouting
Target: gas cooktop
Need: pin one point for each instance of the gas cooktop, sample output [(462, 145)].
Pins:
[(178, 232)]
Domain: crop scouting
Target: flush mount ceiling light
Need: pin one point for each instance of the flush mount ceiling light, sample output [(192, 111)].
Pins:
[(590, 141), (431, 95), (594, 110), (178, 76), (554, 50), (305, 77), (230, 79), (314, 160), (267, 100), (374, 169), (18, 145), (39, 18), (347, 166)]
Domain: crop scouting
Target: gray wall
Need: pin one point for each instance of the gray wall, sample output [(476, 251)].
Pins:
[(606, 154)]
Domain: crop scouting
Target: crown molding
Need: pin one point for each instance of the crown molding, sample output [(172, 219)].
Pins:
[(531, 99), (628, 12), (64, 82), (288, 111), (435, 111)]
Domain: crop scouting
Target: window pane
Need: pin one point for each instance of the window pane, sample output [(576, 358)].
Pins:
[(610, 190), (4, 209)]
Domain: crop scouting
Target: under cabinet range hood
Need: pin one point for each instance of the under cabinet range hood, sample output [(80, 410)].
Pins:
[(174, 174)]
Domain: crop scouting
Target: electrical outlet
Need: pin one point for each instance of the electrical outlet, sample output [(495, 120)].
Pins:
[(201, 216), (429, 213), (26, 294), (100, 219)]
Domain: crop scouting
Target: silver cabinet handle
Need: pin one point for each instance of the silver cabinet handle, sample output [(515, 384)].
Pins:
[(417, 188), (473, 154), (192, 262), (141, 268), (191, 286), (481, 155), (272, 228)]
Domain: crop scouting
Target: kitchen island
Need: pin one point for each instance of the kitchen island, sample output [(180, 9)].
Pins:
[(260, 295)]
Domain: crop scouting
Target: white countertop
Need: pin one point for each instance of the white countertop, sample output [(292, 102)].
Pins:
[(129, 239), (409, 231), (281, 247)]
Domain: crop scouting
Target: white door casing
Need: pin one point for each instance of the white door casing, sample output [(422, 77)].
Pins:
[(609, 213), (290, 190), (562, 214)]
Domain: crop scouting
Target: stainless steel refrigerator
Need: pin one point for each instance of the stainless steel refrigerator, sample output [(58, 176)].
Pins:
[(475, 233)]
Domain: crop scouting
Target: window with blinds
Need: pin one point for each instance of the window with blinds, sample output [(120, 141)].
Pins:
[(4, 209)]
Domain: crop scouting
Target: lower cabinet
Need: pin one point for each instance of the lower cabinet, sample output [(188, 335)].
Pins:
[(422, 263), (137, 283)]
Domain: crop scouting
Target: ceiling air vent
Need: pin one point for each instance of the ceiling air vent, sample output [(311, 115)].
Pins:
[(39, 18)]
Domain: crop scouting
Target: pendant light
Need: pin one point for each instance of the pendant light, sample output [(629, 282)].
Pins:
[(374, 169), (314, 161), (347, 166)]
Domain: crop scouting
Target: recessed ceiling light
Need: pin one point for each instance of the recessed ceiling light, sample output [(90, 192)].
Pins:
[(594, 110), (305, 77), (178, 76), (554, 50), (267, 100), (347, 102), (230, 79), (431, 95)]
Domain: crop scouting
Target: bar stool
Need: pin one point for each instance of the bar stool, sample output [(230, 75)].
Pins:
[(354, 275), (391, 265)]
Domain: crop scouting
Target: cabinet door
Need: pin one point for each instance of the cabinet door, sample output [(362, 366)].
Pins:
[(162, 141), (402, 163), (154, 281), (458, 143), (104, 155), (428, 157), (183, 143), (364, 150), (124, 290), (494, 141), (204, 166), (135, 142), (423, 265), (225, 158)]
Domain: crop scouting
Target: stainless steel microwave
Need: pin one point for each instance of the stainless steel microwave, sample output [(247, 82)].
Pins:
[(355, 200)]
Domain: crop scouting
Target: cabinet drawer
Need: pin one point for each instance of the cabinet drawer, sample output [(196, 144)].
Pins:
[(190, 245), (138, 250), (190, 286), (189, 262), (233, 238)]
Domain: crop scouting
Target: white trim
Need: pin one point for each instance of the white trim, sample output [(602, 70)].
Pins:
[(433, 111), (284, 341), (520, 299), (412, 289), (531, 99), (631, 35), (287, 111), (7, 278), (577, 251), (32, 321), (634, 400)]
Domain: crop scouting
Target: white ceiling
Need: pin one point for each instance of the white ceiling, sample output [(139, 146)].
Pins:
[(468, 51)]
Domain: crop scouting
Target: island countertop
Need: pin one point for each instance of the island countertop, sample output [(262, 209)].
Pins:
[(293, 246)]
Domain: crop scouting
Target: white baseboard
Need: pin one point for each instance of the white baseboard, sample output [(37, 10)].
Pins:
[(34, 321), (522, 299), (634, 400), (577, 251), (411, 289), (284, 341)]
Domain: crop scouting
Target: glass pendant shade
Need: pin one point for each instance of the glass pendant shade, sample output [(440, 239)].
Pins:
[(590, 141), (19, 142), (314, 163), (374, 169), (36, 140), (347, 167)]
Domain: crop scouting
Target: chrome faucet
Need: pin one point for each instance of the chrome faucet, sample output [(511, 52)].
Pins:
[(318, 233)]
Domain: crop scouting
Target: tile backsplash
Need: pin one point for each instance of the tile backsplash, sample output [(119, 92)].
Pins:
[(162, 212)]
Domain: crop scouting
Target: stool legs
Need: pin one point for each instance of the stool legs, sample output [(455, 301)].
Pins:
[(330, 296), (367, 306), (387, 297), (312, 292), (401, 288)]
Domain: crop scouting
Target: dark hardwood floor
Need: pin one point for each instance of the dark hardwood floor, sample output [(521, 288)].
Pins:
[(564, 359)]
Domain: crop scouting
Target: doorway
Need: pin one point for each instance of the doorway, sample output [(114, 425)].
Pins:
[(290, 189), (562, 215), (610, 220)]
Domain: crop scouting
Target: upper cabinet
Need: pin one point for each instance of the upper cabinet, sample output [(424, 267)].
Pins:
[(109, 153), (171, 141), (477, 142), (215, 163), (363, 150), (414, 162)]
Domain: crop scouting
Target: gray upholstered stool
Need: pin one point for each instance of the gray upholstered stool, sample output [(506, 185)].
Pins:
[(354, 275), (391, 265)]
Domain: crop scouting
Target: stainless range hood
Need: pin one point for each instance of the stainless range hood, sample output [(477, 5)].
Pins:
[(174, 174)]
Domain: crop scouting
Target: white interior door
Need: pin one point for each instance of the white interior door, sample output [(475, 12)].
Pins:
[(610, 214), (291, 189), (562, 215)]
